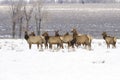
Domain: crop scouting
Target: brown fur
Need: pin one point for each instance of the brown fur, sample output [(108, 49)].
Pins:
[(82, 39), (52, 40), (31, 39), (55, 40), (66, 39), (109, 40)]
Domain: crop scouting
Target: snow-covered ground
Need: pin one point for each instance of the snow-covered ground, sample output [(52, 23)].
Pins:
[(17, 62)]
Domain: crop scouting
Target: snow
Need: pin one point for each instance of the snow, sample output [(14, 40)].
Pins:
[(17, 62)]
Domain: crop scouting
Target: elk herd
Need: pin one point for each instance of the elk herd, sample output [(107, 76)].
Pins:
[(72, 40)]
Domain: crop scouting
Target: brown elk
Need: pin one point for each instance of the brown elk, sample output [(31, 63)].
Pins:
[(32, 39), (67, 39), (109, 40), (81, 39), (52, 40)]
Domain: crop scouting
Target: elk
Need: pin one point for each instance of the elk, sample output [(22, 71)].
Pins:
[(109, 40), (52, 40), (66, 38), (32, 39), (83, 39)]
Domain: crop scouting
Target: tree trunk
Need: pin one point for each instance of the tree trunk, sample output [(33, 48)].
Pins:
[(13, 29), (27, 25), (36, 21), (39, 27), (20, 29)]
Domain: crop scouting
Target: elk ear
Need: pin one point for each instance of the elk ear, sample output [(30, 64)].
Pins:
[(25, 32), (104, 33)]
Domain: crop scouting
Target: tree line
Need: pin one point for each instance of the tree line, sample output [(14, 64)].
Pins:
[(63, 1), (21, 13)]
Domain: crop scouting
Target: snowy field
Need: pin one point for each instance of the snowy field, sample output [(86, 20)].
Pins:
[(17, 62)]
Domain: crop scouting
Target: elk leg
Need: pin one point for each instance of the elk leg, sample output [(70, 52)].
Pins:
[(41, 46), (46, 44), (38, 46), (114, 45), (50, 46), (68, 45), (85, 46), (58, 45), (61, 46), (78, 44), (108, 45), (89, 46), (30, 46), (73, 46)]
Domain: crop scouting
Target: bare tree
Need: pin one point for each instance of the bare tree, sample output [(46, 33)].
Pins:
[(38, 16), (15, 9), (28, 9), (20, 23)]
